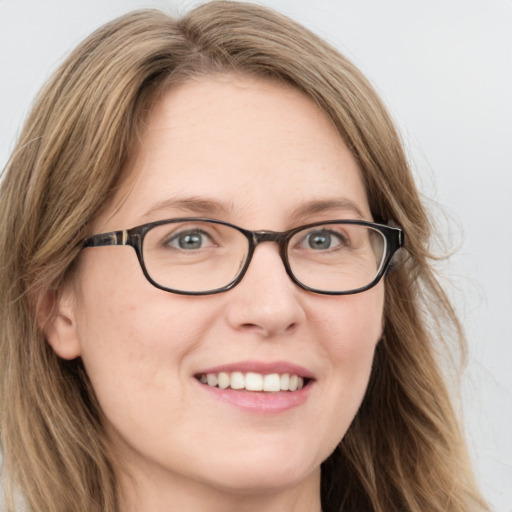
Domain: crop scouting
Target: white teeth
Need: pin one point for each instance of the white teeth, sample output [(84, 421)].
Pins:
[(237, 380), (271, 382), (251, 381), (223, 380), (212, 379), (254, 381)]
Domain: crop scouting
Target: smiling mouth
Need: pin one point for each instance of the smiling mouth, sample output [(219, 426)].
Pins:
[(251, 381)]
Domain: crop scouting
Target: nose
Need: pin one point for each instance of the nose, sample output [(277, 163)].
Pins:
[(266, 301)]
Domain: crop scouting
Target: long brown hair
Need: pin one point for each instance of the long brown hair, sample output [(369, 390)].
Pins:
[(404, 450)]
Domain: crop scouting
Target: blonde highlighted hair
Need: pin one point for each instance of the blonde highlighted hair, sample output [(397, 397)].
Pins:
[(404, 450)]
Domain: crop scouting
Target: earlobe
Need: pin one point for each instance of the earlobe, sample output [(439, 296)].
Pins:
[(56, 318)]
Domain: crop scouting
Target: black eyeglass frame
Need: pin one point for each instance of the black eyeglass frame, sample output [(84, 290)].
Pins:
[(134, 237)]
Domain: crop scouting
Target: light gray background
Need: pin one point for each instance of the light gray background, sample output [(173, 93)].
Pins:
[(444, 68)]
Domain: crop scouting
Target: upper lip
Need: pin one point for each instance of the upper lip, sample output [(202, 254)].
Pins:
[(263, 367)]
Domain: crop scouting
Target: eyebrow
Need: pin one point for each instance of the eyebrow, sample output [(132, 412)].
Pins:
[(192, 204), (318, 206), (206, 207)]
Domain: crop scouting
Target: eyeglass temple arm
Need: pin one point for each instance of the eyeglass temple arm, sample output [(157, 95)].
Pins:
[(112, 238)]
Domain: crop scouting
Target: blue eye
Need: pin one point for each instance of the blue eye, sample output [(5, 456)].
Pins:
[(190, 240), (323, 239)]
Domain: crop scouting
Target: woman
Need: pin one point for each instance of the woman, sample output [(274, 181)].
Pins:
[(267, 342)]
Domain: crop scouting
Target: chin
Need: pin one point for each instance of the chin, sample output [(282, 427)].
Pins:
[(266, 475)]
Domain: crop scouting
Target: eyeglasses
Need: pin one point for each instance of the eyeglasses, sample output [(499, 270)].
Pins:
[(197, 256)]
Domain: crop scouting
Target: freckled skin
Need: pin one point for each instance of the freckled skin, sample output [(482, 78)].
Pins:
[(262, 149)]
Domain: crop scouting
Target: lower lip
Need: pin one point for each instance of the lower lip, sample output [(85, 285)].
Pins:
[(260, 401)]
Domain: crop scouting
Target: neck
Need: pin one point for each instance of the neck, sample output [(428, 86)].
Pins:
[(176, 493)]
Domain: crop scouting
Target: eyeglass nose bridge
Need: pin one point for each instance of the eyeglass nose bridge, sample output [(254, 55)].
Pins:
[(281, 239), (268, 236)]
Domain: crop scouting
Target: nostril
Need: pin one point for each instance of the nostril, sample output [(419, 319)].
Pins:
[(249, 327), (291, 327)]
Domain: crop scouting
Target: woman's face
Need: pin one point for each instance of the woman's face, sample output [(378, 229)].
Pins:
[(261, 155)]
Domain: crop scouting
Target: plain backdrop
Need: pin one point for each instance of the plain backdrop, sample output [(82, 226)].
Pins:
[(444, 69)]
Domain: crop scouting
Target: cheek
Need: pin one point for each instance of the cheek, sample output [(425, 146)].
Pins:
[(352, 327), (135, 339)]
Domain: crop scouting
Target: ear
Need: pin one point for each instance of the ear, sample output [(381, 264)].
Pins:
[(56, 316)]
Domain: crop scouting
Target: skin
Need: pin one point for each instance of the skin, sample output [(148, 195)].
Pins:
[(261, 150)]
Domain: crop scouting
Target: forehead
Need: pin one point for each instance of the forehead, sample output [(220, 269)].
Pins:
[(253, 149)]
